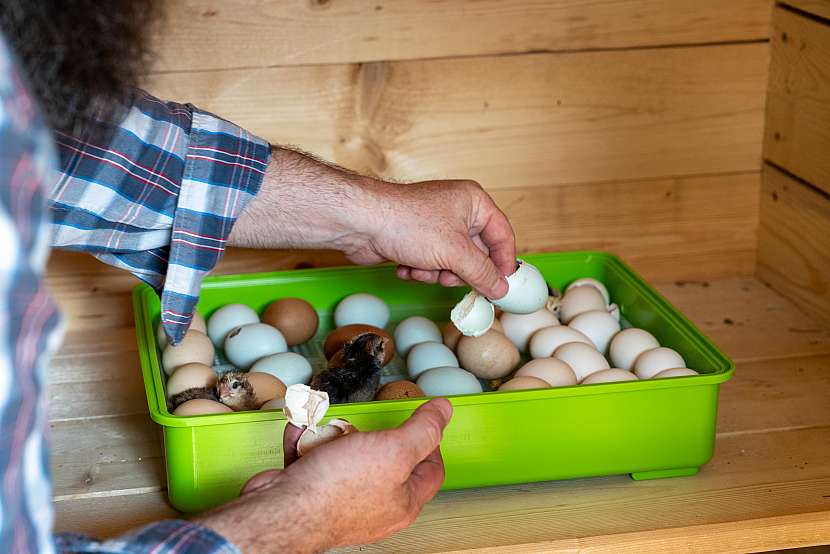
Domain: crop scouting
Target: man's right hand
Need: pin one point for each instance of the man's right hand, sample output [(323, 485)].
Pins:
[(355, 490)]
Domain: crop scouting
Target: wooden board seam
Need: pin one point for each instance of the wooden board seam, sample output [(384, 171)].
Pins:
[(803, 13), (794, 177)]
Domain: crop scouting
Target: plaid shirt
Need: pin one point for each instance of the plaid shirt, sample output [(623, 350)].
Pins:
[(158, 200)]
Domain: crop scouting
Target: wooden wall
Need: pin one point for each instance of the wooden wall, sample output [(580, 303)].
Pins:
[(794, 240)]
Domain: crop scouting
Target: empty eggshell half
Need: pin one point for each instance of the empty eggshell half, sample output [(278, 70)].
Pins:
[(555, 372), (651, 362), (527, 290), (583, 358), (578, 300), (628, 344), (522, 383), (334, 429), (305, 406), (597, 325), (544, 342), (609, 376), (473, 315), (520, 327), (591, 282), (675, 372)]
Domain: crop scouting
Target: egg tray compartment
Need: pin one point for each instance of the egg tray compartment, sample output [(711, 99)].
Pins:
[(649, 429)]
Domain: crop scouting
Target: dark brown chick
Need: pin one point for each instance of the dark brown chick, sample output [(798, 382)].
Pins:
[(353, 374), (236, 392), (208, 393)]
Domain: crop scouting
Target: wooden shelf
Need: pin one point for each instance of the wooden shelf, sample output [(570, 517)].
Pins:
[(768, 486)]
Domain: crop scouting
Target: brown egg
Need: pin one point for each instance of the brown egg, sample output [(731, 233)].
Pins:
[(266, 387), (397, 390), (189, 376), (295, 318), (489, 356), (521, 383), (195, 347), (497, 326), (341, 335), (452, 335), (200, 406)]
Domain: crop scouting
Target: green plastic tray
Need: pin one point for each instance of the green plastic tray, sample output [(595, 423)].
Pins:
[(649, 429)]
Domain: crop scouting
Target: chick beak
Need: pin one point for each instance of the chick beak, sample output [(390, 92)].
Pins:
[(223, 390)]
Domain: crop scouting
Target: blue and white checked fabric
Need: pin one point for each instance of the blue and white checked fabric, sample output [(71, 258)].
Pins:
[(158, 199)]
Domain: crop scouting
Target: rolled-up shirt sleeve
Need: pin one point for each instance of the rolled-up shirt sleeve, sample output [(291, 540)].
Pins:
[(159, 198), (161, 537)]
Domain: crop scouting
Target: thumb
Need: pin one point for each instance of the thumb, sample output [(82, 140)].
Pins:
[(421, 433), (476, 268)]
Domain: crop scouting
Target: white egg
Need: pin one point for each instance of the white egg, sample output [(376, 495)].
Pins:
[(579, 300), (675, 372), (651, 362), (444, 381), (527, 290), (428, 355), (229, 316), (414, 330), (591, 282), (597, 325), (289, 367), (361, 308), (545, 341), (246, 344), (583, 358), (609, 376), (473, 315), (628, 344), (554, 372), (520, 327)]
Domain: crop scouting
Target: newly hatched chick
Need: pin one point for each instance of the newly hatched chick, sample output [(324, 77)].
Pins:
[(236, 392), (208, 393), (353, 374)]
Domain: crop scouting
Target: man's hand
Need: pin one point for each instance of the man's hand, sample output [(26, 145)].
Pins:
[(354, 490), (446, 232)]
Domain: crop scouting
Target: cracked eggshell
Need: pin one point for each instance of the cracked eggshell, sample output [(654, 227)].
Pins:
[(445, 381), (651, 362), (334, 429), (226, 318), (579, 300), (473, 315), (555, 372), (426, 355), (544, 342), (614, 310), (583, 358), (247, 344), (489, 356), (524, 383), (305, 406), (591, 282), (195, 347), (676, 372), (612, 375), (520, 327), (415, 330), (628, 344), (527, 290), (363, 308), (597, 325)]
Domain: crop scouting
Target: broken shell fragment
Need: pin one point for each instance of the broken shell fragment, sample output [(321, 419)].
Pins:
[(527, 290), (335, 429), (305, 406), (473, 315)]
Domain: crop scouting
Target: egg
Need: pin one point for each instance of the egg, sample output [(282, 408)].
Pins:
[(337, 338), (555, 373), (545, 341), (334, 429), (614, 310), (450, 335), (675, 372), (489, 356), (597, 325), (197, 324), (295, 318), (305, 406), (609, 376), (651, 362), (398, 390), (473, 315), (266, 386), (190, 376), (363, 308), (522, 383), (579, 300), (229, 316), (527, 290), (289, 367), (583, 358), (277, 403), (591, 282), (245, 345), (444, 381), (520, 327), (628, 344), (426, 355), (200, 406), (194, 347), (414, 330)]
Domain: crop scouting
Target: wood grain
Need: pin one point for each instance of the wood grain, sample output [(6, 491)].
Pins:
[(110, 516), (508, 121), (216, 34), (793, 252), (797, 135), (820, 8)]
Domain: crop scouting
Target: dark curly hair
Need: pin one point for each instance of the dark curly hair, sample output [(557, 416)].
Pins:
[(82, 58)]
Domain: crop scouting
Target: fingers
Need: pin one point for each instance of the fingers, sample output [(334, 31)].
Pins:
[(427, 478), (498, 235), (450, 279), (422, 432), (260, 480), (477, 269), (290, 438)]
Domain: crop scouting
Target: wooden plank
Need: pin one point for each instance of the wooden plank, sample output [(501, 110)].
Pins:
[(110, 516), (820, 8), (797, 135), (508, 121), (223, 34), (793, 251)]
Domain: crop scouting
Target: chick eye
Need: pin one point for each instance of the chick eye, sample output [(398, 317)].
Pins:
[(235, 385)]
